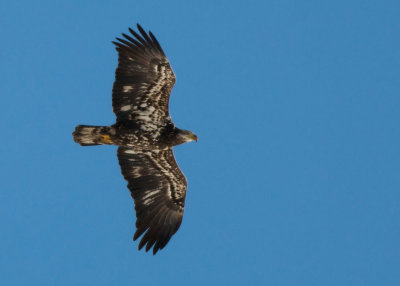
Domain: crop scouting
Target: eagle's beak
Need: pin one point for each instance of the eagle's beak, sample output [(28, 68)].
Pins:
[(187, 136)]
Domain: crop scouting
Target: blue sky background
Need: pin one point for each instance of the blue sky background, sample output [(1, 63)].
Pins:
[(294, 181)]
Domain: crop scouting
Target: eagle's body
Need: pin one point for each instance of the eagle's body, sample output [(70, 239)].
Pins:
[(145, 135)]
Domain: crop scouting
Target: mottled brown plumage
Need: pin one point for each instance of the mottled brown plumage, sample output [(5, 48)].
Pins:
[(145, 135)]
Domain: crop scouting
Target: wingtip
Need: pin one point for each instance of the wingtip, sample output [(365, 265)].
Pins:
[(141, 30), (141, 244)]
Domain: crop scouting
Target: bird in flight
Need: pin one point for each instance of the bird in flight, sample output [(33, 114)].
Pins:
[(145, 135)]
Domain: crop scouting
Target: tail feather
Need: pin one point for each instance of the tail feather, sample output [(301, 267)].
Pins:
[(87, 135)]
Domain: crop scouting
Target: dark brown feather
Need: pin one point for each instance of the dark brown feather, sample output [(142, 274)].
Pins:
[(143, 78), (158, 188)]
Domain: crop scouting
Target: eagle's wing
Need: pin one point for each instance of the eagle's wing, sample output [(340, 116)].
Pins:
[(143, 81), (158, 188)]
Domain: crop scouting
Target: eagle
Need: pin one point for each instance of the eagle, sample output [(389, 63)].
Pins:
[(145, 134)]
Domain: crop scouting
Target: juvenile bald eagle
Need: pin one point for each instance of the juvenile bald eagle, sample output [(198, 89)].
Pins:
[(145, 135)]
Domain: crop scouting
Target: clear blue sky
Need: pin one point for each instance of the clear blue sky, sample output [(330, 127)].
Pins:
[(295, 179)]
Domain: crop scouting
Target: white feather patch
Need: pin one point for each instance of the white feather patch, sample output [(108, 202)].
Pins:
[(125, 108), (127, 88)]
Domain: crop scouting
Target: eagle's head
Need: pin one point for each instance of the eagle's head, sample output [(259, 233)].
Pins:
[(183, 136)]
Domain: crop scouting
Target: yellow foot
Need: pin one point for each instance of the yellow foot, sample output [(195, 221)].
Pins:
[(106, 139)]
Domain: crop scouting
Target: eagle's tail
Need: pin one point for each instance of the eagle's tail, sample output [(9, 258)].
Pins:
[(87, 135)]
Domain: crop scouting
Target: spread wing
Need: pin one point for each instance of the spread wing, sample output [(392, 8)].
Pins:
[(143, 81), (158, 188)]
